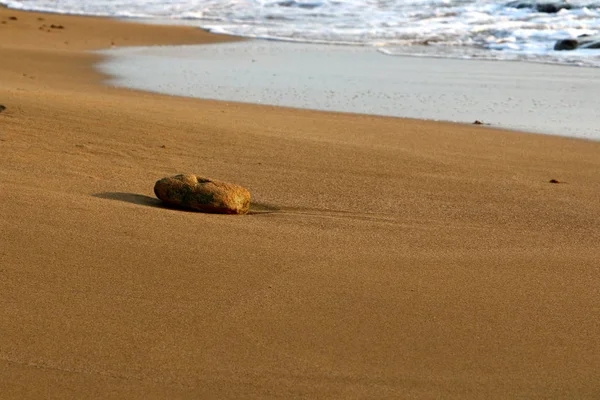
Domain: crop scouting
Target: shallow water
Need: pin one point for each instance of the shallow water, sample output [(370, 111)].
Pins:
[(539, 98)]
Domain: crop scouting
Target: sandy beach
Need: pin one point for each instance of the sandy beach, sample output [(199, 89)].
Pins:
[(382, 258)]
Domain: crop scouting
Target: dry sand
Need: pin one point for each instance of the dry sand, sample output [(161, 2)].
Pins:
[(385, 258)]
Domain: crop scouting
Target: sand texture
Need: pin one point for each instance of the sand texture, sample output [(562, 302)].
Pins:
[(381, 258)]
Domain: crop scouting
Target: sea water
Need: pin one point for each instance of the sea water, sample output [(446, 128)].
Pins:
[(481, 29)]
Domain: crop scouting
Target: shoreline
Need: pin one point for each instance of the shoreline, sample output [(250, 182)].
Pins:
[(385, 257), (536, 98), (115, 59)]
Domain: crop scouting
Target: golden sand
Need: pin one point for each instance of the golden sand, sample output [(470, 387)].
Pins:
[(383, 257)]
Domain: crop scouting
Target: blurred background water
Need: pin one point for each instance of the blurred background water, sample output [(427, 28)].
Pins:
[(482, 29)]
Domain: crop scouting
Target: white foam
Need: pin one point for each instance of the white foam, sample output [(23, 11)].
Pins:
[(455, 28)]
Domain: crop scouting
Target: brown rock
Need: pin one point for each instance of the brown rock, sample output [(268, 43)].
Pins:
[(203, 194)]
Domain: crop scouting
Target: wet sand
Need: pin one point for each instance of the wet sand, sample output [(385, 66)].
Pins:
[(383, 258), (532, 97)]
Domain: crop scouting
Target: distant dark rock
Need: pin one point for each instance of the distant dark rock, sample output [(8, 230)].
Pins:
[(551, 8), (554, 181), (581, 42), (548, 7), (2, 108), (566, 44), (12, 18)]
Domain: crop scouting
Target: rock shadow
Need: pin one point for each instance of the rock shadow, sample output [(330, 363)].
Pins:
[(132, 198), (256, 208)]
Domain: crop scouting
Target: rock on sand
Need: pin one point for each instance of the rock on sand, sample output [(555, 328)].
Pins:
[(203, 194)]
